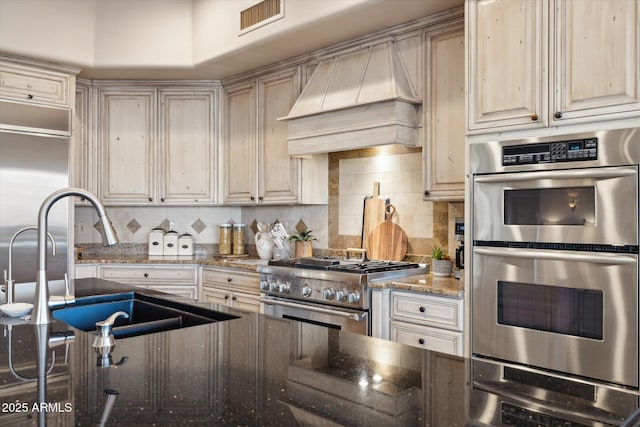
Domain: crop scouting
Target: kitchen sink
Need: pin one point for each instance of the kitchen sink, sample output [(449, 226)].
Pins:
[(147, 314)]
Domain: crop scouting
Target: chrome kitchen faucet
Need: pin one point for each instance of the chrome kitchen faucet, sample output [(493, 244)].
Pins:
[(9, 279), (41, 313)]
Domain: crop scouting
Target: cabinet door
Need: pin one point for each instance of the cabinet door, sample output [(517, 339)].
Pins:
[(246, 302), (507, 62), (279, 180), (239, 146), (187, 147), (31, 84), (445, 142), (596, 59), (218, 296), (127, 146)]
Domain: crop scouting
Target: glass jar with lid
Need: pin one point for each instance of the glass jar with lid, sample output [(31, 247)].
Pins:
[(238, 238), (225, 241)]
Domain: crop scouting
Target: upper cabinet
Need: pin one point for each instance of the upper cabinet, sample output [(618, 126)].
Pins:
[(552, 62), (34, 83), (444, 149), (156, 146), (256, 166)]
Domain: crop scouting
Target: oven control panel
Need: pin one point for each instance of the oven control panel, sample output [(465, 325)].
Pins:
[(575, 150), (313, 290)]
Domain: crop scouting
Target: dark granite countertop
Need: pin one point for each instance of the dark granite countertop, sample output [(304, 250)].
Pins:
[(252, 370)]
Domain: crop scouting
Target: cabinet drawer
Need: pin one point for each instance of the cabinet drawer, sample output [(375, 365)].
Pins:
[(149, 275), (441, 312), (189, 292), (426, 337), (232, 280), (32, 85)]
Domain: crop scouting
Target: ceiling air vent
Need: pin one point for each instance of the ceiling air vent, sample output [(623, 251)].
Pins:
[(261, 14)]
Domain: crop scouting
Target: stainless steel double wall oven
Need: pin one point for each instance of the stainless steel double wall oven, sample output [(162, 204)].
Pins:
[(554, 282)]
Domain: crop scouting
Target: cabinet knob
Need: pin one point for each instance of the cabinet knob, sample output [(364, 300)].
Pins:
[(226, 296), (151, 199), (252, 198), (229, 279), (421, 341), (422, 309), (146, 274), (534, 117), (261, 198), (234, 297), (162, 199), (30, 96), (558, 115)]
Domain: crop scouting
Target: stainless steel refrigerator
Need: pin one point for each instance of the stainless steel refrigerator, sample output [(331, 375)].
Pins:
[(34, 162)]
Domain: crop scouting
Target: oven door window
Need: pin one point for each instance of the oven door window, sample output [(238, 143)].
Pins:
[(550, 206), (567, 311)]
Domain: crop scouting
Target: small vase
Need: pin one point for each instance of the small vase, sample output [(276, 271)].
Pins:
[(304, 249), (264, 245), (442, 267)]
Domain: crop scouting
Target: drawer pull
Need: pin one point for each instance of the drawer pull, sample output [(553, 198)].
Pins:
[(422, 309), (229, 279), (226, 296), (146, 274), (421, 341), (234, 297)]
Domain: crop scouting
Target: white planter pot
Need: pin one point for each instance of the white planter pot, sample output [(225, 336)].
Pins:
[(442, 267)]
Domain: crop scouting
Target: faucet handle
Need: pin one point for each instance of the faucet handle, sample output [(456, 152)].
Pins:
[(104, 327)]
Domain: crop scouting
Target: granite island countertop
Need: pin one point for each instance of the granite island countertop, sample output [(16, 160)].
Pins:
[(251, 370)]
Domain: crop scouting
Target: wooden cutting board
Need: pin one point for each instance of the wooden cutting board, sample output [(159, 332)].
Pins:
[(387, 241), (373, 212)]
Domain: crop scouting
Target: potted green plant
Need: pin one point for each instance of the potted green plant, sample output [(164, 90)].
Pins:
[(303, 242), (441, 263)]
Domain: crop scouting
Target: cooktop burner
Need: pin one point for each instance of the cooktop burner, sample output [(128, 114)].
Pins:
[(372, 266), (342, 265)]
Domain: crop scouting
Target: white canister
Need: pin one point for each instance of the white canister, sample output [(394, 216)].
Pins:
[(170, 243), (185, 244), (156, 245)]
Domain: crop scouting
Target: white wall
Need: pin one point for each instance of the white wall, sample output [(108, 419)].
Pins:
[(143, 33)]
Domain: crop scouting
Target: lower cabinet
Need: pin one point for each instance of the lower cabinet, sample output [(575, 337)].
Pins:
[(428, 321), (238, 289), (181, 280)]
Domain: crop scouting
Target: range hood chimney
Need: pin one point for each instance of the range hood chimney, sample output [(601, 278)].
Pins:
[(358, 99)]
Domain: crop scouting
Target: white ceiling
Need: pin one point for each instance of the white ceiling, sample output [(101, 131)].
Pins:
[(354, 18)]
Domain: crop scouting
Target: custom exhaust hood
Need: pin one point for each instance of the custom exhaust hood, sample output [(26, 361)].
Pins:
[(362, 98)]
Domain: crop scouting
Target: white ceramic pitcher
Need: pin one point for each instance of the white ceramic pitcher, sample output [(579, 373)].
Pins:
[(264, 244)]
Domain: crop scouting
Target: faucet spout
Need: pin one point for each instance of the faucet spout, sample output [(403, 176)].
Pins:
[(41, 313), (9, 279)]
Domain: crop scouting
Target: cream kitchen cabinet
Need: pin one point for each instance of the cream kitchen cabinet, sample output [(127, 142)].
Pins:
[(156, 146), (26, 81), (444, 150), (181, 280), (256, 166), (552, 62), (238, 289), (427, 321)]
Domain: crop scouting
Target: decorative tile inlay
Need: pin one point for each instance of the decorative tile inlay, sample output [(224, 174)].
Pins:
[(133, 226), (198, 225), (165, 225), (254, 226), (301, 226)]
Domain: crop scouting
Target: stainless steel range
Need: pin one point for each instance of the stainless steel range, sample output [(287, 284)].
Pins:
[(329, 291)]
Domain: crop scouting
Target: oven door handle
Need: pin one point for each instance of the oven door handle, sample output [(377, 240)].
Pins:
[(604, 258), (358, 317), (606, 173)]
